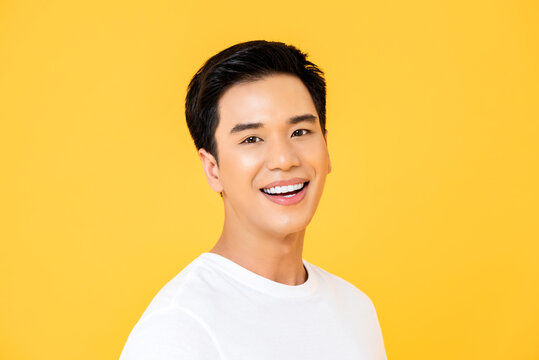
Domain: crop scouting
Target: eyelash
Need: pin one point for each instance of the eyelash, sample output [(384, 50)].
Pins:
[(252, 142), (306, 131)]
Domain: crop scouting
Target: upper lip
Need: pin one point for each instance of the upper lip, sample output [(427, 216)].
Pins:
[(285, 182)]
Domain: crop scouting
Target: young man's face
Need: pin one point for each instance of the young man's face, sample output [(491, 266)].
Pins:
[(284, 142)]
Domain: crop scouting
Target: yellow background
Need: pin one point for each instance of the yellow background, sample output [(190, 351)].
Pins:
[(431, 207)]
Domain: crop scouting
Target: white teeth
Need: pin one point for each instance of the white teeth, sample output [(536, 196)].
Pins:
[(283, 189)]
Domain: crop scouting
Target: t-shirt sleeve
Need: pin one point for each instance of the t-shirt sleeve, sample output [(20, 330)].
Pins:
[(172, 333), (374, 337)]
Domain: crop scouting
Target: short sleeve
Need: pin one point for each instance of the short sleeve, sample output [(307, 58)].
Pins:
[(375, 337), (170, 334)]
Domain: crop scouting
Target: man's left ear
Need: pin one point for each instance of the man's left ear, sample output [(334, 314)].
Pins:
[(329, 159)]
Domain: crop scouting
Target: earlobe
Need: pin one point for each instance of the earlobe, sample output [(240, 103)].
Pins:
[(211, 170)]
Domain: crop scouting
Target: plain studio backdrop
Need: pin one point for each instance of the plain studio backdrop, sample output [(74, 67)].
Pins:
[(431, 207)]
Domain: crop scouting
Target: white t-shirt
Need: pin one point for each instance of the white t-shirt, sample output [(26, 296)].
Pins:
[(216, 309)]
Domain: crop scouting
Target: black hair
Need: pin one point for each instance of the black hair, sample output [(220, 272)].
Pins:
[(247, 61)]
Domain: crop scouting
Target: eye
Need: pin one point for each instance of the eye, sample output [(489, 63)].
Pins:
[(250, 140), (300, 132)]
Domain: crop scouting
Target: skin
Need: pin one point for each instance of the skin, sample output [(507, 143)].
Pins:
[(258, 234)]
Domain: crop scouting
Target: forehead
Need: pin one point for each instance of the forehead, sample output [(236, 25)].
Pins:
[(272, 99)]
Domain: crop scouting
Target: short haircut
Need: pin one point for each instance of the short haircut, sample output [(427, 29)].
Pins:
[(244, 62)]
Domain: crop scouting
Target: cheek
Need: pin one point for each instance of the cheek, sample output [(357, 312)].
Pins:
[(239, 170), (248, 160), (318, 157)]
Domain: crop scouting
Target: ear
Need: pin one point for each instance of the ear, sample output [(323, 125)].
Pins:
[(211, 170), (329, 159)]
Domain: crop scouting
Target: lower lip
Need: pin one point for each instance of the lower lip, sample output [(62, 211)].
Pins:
[(281, 200)]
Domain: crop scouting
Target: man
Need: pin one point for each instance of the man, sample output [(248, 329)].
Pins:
[(256, 112)]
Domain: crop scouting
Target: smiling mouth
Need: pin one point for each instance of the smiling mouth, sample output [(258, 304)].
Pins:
[(285, 191)]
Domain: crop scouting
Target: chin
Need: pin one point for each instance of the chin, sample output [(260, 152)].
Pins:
[(287, 225)]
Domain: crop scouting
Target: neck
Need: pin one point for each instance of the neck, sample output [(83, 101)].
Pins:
[(277, 257)]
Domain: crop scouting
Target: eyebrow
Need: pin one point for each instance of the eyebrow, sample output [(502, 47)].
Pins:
[(293, 120)]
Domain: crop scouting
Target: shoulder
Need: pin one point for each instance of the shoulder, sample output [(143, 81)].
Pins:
[(169, 328), (170, 333), (355, 306), (343, 288), (176, 291)]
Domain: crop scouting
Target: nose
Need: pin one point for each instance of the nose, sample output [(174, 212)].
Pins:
[(282, 155)]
